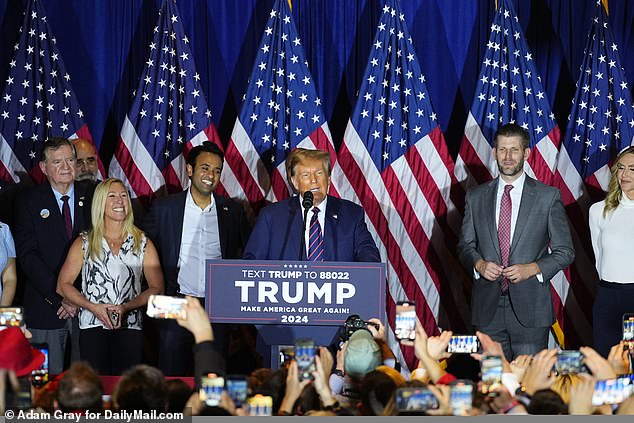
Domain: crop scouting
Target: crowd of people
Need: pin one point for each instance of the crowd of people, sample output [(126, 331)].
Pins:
[(353, 381), (87, 272)]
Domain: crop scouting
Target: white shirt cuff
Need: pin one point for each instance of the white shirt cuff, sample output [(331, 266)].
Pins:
[(509, 380)]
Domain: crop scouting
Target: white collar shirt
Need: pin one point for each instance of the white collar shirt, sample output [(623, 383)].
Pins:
[(200, 240), (516, 198)]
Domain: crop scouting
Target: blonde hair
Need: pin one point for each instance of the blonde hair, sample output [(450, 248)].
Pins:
[(298, 155), (97, 211), (563, 383), (614, 189)]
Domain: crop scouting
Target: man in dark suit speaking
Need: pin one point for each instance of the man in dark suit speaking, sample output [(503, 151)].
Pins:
[(508, 227), (335, 230), (336, 227)]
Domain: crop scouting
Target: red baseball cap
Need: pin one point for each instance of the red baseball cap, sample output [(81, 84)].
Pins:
[(17, 354)]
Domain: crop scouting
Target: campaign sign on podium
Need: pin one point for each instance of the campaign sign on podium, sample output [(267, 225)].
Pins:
[(293, 292)]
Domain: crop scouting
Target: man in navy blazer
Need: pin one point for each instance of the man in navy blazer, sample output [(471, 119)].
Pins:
[(335, 231), (187, 228), (42, 239), (278, 230)]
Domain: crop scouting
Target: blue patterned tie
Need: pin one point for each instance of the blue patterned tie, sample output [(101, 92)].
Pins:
[(315, 240)]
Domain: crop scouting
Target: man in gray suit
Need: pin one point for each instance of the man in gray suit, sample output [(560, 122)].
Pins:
[(508, 227)]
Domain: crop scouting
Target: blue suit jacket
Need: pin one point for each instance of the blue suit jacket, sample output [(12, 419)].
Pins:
[(42, 244), (164, 226), (278, 230)]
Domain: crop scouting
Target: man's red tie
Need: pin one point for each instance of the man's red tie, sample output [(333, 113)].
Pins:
[(504, 232), (68, 221), (315, 240)]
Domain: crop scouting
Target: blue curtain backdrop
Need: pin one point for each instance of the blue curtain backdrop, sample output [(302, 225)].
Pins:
[(104, 42)]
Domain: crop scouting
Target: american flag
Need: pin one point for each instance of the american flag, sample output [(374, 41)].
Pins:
[(394, 161), (509, 90), (280, 111), (37, 101), (169, 115), (601, 123)]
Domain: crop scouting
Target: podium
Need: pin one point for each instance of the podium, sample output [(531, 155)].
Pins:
[(289, 300)]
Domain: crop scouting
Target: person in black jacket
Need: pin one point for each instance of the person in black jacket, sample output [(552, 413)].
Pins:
[(187, 228), (47, 219)]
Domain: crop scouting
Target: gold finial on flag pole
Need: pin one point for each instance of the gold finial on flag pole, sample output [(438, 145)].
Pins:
[(290, 4), (605, 5)]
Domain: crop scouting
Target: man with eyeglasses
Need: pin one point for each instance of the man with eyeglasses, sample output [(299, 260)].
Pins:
[(86, 163)]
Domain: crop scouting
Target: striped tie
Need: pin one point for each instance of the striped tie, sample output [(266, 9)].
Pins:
[(315, 240)]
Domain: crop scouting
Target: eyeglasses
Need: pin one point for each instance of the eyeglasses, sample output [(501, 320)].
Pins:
[(88, 161)]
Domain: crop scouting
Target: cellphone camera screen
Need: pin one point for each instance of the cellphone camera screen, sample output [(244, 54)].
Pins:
[(237, 390), (405, 328), (39, 377), (491, 368), (11, 316), (613, 391), (260, 405), (570, 362), (461, 398), (415, 400), (463, 344), (628, 330), (211, 390), (305, 357), (165, 307)]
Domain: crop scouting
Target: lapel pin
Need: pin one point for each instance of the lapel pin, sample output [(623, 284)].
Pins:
[(81, 202), (44, 213), (225, 208), (335, 216)]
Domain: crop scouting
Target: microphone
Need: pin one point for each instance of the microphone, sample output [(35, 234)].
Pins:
[(307, 202)]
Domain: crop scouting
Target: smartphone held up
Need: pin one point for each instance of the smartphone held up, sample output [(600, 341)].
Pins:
[(166, 307), (305, 357), (405, 325)]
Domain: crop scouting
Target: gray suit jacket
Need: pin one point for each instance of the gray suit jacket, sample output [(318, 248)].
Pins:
[(541, 223)]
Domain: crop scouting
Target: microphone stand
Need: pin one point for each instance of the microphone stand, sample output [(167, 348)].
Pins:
[(307, 203)]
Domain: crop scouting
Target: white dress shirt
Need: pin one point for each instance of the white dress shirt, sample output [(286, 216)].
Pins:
[(611, 240), (516, 198), (200, 241)]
